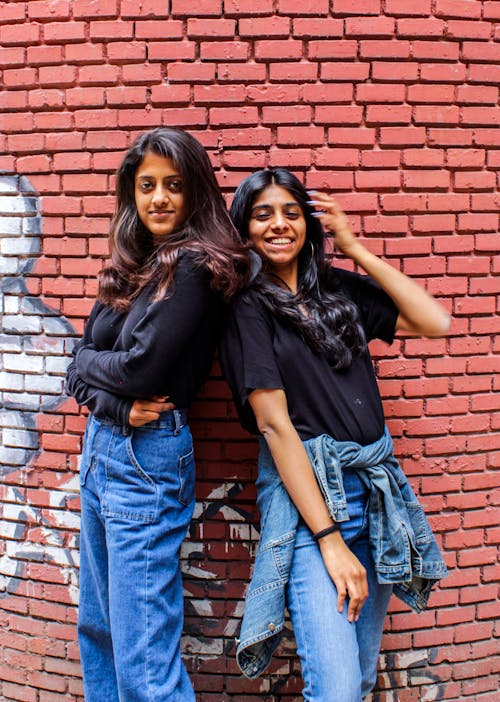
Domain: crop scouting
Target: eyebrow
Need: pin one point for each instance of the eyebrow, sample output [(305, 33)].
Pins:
[(264, 205), (173, 175)]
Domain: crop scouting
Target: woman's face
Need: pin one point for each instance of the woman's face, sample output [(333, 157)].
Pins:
[(159, 195), (277, 230)]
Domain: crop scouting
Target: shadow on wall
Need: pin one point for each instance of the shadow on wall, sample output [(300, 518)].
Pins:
[(34, 343)]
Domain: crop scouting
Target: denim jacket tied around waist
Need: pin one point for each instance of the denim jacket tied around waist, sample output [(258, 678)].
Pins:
[(404, 549)]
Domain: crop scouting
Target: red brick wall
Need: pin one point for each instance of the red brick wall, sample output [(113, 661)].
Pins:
[(390, 103)]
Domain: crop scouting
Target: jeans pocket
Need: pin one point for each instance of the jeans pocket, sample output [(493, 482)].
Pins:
[(130, 493), (186, 467), (133, 460)]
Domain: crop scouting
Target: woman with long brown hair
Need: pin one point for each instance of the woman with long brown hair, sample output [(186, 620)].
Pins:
[(147, 347), (340, 526)]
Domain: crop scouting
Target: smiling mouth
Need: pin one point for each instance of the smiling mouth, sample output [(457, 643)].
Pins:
[(161, 213), (280, 241)]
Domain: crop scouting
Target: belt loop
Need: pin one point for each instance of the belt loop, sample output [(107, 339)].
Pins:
[(177, 422)]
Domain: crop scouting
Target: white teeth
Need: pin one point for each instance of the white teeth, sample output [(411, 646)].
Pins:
[(281, 240)]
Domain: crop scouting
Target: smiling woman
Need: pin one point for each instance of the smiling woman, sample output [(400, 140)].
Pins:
[(277, 230), (147, 347), (341, 527)]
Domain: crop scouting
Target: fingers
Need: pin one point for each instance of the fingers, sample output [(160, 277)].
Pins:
[(357, 589)]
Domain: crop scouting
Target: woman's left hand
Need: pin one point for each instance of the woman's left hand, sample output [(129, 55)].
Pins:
[(333, 219)]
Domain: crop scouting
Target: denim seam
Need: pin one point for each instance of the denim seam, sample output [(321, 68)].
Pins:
[(148, 609), (305, 658)]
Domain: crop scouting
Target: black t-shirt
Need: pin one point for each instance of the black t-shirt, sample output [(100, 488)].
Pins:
[(155, 348), (259, 351)]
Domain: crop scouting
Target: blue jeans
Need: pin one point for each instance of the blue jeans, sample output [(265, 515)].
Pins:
[(137, 499), (338, 658)]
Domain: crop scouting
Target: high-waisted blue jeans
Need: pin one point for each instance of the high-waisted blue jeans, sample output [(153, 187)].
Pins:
[(338, 658), (137, 499)]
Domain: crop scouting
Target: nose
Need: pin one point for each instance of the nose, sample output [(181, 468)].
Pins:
[(279, 221), (160, 196)]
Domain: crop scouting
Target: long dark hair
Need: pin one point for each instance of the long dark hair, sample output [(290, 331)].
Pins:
[(136, 261), (331, 324)]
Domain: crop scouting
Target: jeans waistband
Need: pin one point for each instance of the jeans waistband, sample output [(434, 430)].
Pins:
[(173, 419)]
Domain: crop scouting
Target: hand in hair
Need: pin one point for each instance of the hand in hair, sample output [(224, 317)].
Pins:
[(333, 219)]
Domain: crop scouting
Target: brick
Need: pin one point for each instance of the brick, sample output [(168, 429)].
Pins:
[(463, 29), (20, 34), (384, 49), (393, 93), (248, 7), (420, 27), (341, 71), (278, 49), (374, 27), (380, 159), (388, 114), (270, 94), (408, 7), (421, 158), (159, 29), (306, 7), (291, 72), (219, 116), (436, 114), (203, 8), (347, 136), (378, 180), (402, 136), (169, 94), (479, 115), (458, 8), (431, 93), (318, 93), (12, 56), (471, 94), (332, 49), (64, 32), (171, 51), (221, 28), (147, 8), (191, 72), (264, 27), (363, 7), (322, 27), (218, 93), (474, 180), (438, 73), (484, 73), (98, 75), (301, 114), (224, 51), (394, 71)]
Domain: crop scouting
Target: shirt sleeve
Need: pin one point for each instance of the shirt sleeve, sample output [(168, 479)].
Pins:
[(247, 355), (158, 340), (102, 404), (377, 309)]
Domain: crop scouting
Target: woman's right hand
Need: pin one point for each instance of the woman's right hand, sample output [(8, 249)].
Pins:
[(144, 411), (347, 573)]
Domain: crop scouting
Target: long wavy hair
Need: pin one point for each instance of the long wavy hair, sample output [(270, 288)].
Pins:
[(137, 260), (331, 324)]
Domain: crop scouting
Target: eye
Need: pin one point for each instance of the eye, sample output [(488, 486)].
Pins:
[(175, 186), (261, 216), (292, 214), (145, 186)]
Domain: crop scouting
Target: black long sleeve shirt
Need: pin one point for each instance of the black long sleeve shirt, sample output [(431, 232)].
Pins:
[(155, 348)]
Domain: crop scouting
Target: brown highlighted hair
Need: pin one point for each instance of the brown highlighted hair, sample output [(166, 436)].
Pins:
[(207, 232)]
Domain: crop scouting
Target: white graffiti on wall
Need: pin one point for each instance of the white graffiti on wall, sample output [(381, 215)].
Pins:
[(34, 342)]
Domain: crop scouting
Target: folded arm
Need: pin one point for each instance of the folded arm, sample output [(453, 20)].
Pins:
[(158, 340)]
